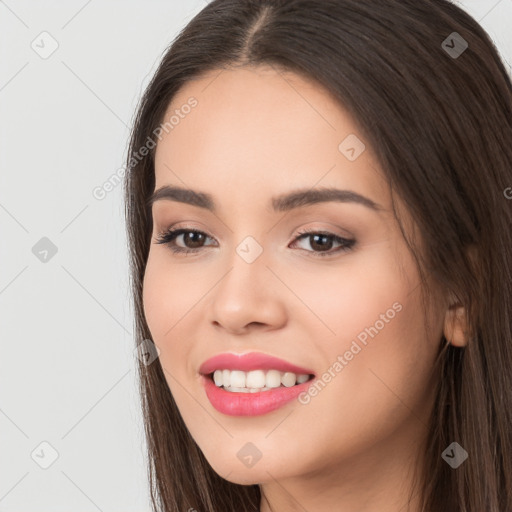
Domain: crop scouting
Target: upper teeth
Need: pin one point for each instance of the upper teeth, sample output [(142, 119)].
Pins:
[(256, 379)]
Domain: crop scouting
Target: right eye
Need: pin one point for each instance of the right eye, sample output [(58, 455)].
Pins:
[(191, 236)]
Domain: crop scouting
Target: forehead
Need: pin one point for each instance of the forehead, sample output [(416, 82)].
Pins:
[(262, 130)]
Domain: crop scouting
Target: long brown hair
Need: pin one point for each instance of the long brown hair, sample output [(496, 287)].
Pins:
[(438, 115)]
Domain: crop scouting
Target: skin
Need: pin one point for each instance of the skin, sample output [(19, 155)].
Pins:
[(256, 133)]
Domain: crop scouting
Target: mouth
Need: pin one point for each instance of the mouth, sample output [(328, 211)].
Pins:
[(254, 400), (252, 383)]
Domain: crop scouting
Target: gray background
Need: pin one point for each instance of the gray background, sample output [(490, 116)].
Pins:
[(67, 365)]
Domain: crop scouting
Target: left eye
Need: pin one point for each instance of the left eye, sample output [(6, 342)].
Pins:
[(320, 240), (324, 241)]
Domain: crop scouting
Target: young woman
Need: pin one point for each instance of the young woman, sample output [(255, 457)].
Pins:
[(319, 210)]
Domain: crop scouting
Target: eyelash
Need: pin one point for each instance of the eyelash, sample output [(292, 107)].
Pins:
[(166, 237)]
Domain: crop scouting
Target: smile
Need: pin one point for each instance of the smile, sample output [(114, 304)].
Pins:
[(256, 380), (252, 383)]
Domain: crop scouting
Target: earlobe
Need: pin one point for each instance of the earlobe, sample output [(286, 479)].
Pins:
[(456, 326), (456, 323)]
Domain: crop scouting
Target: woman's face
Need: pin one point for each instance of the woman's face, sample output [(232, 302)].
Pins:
[(347, 309)]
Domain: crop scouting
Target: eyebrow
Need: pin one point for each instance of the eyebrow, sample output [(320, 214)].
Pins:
[(281, 203)]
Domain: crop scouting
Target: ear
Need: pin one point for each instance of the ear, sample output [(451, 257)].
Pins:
[(455, 325), (456, 328)]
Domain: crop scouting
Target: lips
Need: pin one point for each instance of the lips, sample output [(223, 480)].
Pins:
[(254, 403), (251, 404), (249, 361)]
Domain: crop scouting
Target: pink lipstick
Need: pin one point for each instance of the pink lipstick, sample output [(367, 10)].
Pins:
[(239, 403)]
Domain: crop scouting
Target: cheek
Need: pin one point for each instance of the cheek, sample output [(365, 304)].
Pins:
[(154, 299), (377, 349), (352, 296), (162, 307), (170, 302), (167, 295)]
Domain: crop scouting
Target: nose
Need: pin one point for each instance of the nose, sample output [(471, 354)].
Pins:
[(247, 297)]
